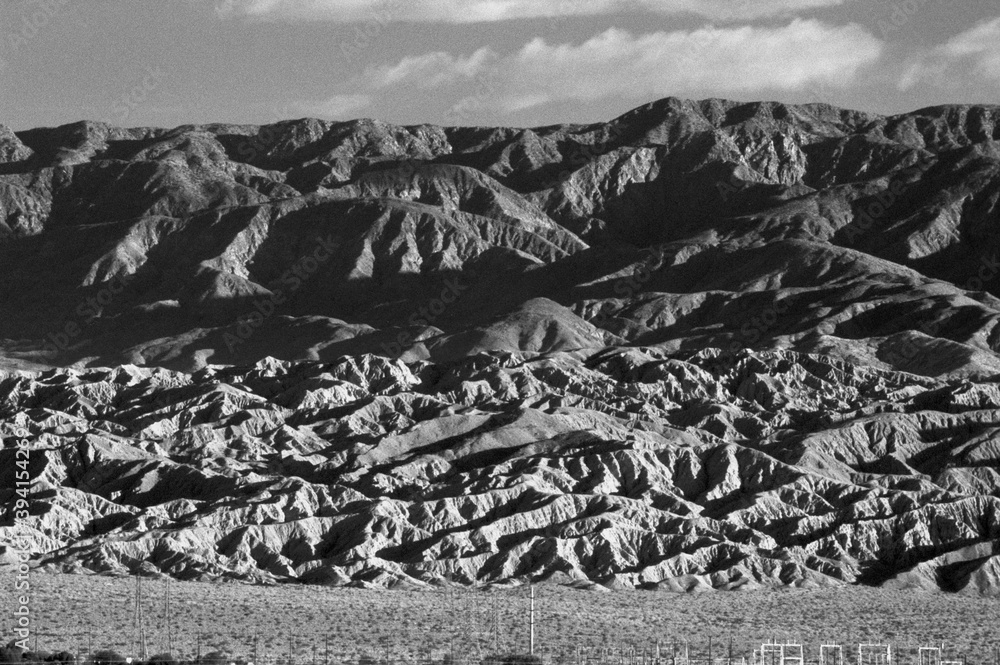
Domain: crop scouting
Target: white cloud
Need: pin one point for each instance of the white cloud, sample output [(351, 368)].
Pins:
[(337, 107), (431, 70), (724, 60), (479, 11), (966, 59), (738, 61)]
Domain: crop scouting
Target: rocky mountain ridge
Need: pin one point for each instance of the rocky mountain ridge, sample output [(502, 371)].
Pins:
[(857, 235), (704, 345)]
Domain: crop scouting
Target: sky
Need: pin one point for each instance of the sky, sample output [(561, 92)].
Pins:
[(521, 63)]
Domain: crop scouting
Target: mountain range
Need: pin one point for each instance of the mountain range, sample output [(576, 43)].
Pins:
[(704, 345)]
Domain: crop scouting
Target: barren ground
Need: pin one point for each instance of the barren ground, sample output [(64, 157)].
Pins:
[(357, 621)]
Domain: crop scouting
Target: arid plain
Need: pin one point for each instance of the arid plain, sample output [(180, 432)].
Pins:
[(425, 623)]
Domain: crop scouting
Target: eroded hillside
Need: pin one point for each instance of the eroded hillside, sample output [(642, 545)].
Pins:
[(624, 468), (703, 345)]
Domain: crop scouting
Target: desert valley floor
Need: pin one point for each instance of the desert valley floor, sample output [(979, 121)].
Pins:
[(421, 623)]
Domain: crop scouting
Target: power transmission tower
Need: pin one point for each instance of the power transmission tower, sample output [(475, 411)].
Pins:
[(475, 626), (496, 624), (531, 619), (169, 619), (138, 622)]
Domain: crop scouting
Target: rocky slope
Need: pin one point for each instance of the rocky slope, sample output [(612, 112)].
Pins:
[(681, 224), (629, 467), (703, 345)]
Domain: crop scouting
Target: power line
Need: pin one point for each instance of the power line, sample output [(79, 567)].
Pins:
[(531, 619), (138, 622), (169, 619)]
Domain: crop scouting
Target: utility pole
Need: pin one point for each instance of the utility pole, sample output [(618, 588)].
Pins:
[(496, 624), (138, 614), (170, 628), (138, 621), (531, 620)]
